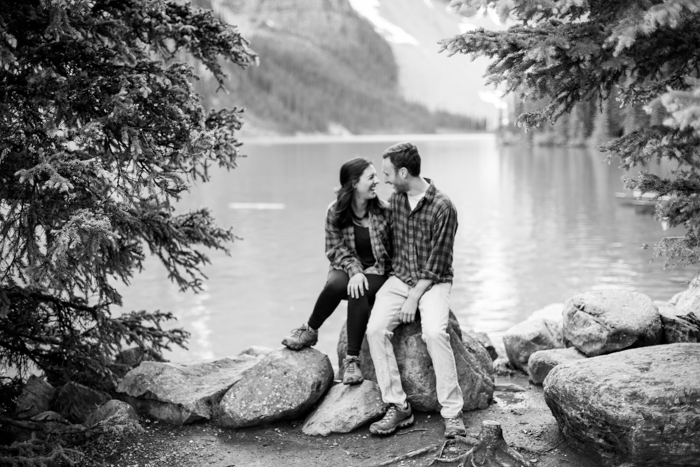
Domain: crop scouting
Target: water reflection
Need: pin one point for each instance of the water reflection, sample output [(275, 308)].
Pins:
[(536, 226)]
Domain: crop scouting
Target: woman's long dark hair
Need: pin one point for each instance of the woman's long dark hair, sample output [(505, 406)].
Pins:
[(350, 174)]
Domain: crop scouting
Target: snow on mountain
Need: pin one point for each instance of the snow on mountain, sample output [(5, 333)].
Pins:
[(413, 28)]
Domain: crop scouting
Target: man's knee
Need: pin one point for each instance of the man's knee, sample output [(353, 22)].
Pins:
[(434, 334), (376, 329)]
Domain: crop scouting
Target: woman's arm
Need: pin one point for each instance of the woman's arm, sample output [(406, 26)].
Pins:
[(337, 252)]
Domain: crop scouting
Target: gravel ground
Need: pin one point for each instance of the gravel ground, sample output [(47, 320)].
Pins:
[(527, 423)]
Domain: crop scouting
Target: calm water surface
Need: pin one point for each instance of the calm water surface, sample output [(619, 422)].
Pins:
[(536, 226)]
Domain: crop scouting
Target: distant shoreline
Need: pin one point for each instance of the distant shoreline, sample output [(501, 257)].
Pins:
[(320, 138)]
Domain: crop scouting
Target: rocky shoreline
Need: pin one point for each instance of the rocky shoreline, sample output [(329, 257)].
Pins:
[(620, 375)]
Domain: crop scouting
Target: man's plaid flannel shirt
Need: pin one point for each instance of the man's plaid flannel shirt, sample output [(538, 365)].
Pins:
[(340, 243), (424, 237)]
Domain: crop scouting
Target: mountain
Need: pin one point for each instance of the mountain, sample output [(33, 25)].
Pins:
[(324, 68), (413, 28)]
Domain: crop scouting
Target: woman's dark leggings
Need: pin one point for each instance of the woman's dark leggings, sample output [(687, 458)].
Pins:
[(335, 290)]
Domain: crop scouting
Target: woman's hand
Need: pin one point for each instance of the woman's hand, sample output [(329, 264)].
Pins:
[(357, 285)]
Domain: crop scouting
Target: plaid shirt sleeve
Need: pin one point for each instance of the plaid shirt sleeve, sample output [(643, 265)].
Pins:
[(439, 259), (337, 252)]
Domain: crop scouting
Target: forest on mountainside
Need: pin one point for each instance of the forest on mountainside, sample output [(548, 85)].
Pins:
[(589, 123), (322, 71)]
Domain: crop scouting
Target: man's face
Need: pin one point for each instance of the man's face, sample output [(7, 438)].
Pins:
[(393, 177)]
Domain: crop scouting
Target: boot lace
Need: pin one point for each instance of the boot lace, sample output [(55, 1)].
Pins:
[(347, 362)]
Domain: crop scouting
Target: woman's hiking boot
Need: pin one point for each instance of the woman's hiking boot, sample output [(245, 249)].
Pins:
[(352, 373), (301, 337), (395, 417)]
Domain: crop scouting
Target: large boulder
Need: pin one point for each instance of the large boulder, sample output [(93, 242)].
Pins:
[(345, 408), (76, 402), (679, 325), (180, 394), (640, 406), (284, 385), (602, 322), (36, 397), (542, 361), (541, 331), (474, 366)]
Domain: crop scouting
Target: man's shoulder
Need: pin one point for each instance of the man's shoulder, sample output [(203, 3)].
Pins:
[(441, 200)]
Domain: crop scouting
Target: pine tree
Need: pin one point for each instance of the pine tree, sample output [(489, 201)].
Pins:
[(100, 133), (573, 51)]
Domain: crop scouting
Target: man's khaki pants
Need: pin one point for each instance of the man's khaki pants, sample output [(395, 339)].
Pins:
[(434, 307)]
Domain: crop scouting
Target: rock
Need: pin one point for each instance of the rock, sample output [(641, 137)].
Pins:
[(502, 367), (542, 362), (131, 357), (602, 322), (474, 366), (127, 360), (284, 385), (676, 297), (509, 387), (181, 394), (533, 334), (114, 410), (345, 408), (35, 398), (484, 340), (679, 326), (689, 300), (76, 402), (640, 406)]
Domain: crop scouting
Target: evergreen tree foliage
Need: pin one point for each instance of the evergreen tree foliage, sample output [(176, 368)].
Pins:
[(100, 132), (573, 51)]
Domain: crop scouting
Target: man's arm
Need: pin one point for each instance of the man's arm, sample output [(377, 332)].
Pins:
[(439, 260), (441, 245), (410, 306)]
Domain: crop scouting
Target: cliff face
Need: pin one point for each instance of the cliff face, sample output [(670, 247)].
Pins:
[(323, 68)]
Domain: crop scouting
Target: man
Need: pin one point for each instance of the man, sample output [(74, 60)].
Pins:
[(424, 226)]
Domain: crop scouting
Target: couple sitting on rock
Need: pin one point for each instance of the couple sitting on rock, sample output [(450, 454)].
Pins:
[(393, 259)]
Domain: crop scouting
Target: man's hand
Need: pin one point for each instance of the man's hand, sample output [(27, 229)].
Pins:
[(357, 285), (408, 310)]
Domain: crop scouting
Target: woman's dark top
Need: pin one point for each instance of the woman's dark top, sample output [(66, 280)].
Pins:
[(363, 246)]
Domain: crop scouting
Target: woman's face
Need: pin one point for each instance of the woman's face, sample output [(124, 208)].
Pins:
[(366, 187)]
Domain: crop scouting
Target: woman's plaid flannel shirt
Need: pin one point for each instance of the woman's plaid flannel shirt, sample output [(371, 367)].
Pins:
[(424, 237), (340, 243)]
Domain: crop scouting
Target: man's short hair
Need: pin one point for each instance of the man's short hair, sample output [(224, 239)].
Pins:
[(404, 155)]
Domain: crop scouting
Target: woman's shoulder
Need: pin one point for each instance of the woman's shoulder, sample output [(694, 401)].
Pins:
[(383, 204), (382, 208)]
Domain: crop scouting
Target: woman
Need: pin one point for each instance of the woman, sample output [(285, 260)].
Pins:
[(358, 246)]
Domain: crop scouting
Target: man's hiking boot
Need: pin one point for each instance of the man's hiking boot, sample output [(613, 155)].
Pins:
[(455, 427), (301, 337), (394, 418), (352, 374)]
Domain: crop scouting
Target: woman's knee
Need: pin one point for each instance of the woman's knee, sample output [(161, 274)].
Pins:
[(337, 285)]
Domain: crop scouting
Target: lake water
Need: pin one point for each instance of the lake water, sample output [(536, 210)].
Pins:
[(536, 226)]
